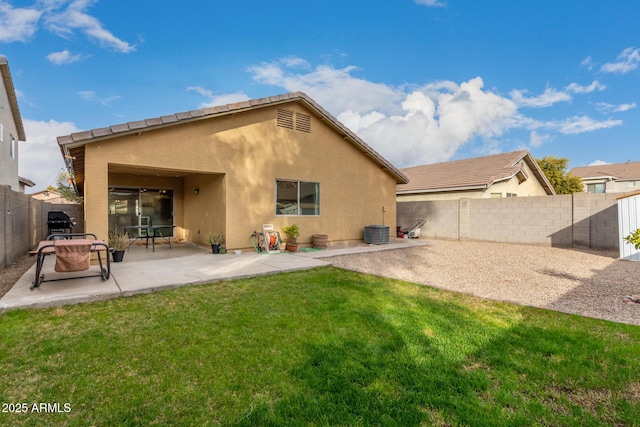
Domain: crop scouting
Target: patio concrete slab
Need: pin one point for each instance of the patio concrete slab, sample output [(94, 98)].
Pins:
[(136, 277), (152, 274), (63, 291)]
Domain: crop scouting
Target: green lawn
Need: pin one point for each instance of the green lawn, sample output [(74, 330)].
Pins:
[(319, 347)]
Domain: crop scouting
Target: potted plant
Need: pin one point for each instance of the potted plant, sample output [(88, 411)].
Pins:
[(118, 243), (292, 232), (216, 240)]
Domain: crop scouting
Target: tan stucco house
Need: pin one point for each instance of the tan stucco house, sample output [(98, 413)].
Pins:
[(11, 132), (514, 174), (229, 169), (610, 178)]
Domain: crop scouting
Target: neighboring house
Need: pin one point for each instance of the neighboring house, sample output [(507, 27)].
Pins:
[(229, 169), (514, 174), (611, 178), (11, 132), (23, 183), (53, 197)]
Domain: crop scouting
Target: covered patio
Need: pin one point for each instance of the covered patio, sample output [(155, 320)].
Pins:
[(192, 201)]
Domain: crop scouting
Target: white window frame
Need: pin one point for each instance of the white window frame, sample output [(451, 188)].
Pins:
[(298, 208), (12, 146), (596, 186)]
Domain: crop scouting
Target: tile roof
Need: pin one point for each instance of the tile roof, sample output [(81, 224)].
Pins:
[(78, 139), (26, 181), (620, 171), (13, 99), (470, 174)]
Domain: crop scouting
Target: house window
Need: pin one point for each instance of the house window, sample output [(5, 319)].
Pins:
[(297, 198), (496, 195), (512, 195), (631, 184), (596, 188), (12, 147)]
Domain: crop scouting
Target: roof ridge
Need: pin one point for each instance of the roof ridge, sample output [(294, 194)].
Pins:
[(472, 159)]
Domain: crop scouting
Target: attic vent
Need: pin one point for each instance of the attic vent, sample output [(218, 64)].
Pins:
[(303, 123), (285, 119)]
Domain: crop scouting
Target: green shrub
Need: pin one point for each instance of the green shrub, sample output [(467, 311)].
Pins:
[(634, 238)]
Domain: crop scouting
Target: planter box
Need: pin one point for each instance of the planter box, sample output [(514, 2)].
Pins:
[(376, 234)]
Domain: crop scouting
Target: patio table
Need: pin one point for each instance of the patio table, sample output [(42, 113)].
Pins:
[(67, 250), (152, 231)]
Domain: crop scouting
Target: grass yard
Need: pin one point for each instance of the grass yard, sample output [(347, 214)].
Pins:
[(319, 347)]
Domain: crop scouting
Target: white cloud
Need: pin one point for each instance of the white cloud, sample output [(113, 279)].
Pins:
[(605, 107), (599, 163), (61, 17), (63, 21), (587, 62), (548, 98), (17, 24), (216, 100), (431, 3), (421, 125), (580, 124), (88, 95), (39, 157), (627, 61), (595, 85), (536, 139), (552, 96), (64, 57), (418, 125), (334, 88)]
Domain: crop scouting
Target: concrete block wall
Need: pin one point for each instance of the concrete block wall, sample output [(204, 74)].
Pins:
[(534, 220), (442, 217), (580, 220), (23, 223), (604, 221)]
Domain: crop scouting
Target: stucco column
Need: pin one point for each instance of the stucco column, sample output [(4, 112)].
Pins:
[(96, 195)]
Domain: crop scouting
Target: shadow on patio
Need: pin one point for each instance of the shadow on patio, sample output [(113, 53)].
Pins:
[(138, 252)]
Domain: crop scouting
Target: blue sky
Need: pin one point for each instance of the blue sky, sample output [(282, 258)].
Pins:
[(421, 81)]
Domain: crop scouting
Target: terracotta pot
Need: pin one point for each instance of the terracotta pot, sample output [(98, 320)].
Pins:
[(292, 247), (320, 241)]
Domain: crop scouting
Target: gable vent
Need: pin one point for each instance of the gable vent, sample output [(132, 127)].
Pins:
[(285, 119), (290, 120), (303, 123)]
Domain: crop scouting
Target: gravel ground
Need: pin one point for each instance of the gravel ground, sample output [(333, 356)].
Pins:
[(585, 282), (10, 274)]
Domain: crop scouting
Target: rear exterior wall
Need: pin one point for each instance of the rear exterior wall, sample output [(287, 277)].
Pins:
[(235, 161)]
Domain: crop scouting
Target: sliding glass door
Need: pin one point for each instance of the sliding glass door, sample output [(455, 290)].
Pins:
[(139, 207)]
